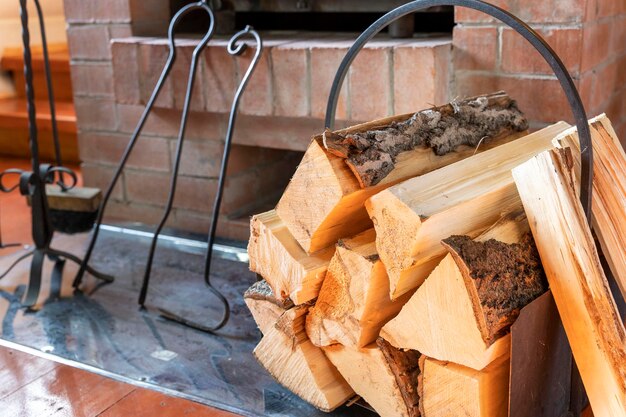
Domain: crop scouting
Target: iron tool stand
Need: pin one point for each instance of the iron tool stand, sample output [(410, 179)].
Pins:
[(577, 394), (32, 184), (234, 48)]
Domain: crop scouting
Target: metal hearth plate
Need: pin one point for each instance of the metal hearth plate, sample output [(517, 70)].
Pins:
[(102, 329)]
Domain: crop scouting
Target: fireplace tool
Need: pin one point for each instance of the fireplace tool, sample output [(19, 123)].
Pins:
[(32, 184), (577, 395), (235, 47)]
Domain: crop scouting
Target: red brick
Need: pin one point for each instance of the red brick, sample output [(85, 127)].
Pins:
[(89, 11), (475, 48), (152, 188), (149, 153), (152, 59), (219, 78), (200, 158), (120, 31), (290, 80), (180, 76), (234, 229), (100, 177), (257, 97), (464, 14), (518, 56), (597, 9), (89, 42), (540, 100), (618, 38), (547, 11), (607, 82), (126, 70), (276, 132), (620, 130), (370, 84), (134, 212), (166, 123), (325, 60), (596, 44), (614, 106), (421, 75), (144, 12), (244, 158), (92, 79), (586, 85), (95, 113)]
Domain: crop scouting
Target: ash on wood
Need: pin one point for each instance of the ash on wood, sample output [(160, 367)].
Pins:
[(372, 154)]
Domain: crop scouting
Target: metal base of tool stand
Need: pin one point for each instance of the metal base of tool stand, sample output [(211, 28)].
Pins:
[(577, 396), (235, 47), (32, 184)]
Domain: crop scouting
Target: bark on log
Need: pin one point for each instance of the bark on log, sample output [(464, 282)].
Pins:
[(463, 310), (411, 218), (264, 306), (324, 200), (547, 187), (382, 375)]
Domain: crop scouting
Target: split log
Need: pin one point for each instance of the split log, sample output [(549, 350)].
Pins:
[(288, 355), (463, 311), (353, 303), (277, 257), (609, 192), (411, 218), (264, 306), (594, 329), (385, 377), (324, 200), (447, 389)]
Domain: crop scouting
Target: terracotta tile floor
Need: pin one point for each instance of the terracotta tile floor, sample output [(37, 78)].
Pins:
[(34, 387)]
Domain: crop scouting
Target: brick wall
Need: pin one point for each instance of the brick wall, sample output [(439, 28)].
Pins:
[(589, 36)]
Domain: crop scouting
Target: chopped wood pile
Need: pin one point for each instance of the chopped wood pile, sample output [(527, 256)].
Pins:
[(404, 249)]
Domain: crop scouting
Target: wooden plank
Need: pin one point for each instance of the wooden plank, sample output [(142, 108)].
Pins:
[(324, 200), (596, 334), (411, 218), (541, 362), (18, 369), (609, 192)]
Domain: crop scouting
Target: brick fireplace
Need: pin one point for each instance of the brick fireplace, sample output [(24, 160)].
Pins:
[(117, 52)]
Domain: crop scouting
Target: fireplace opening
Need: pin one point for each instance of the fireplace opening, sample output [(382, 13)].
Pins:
[(315, 16)]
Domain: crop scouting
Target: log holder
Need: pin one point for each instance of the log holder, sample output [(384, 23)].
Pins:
[(577, 394), (235, 47), (32, 184)]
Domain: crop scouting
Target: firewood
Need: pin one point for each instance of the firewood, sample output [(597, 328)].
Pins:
[(288, 355), (609, 192), (353, 303), (448, 389), (324, 200), (277, 257), (547, 188), (264, 306), (464, 198), (464, 309), (385, 377)]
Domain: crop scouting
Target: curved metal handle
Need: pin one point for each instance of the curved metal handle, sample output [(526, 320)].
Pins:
[(559, 69)]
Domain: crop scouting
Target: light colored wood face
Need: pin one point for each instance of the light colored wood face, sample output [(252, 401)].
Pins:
[(581, 291)]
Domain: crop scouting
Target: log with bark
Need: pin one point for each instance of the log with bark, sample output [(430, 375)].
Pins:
[(264, 306), (463, 311), (385, 377), (289, 356), (411, 218), (325, 192), (353, 303), (548, 189), (447, 389), (277, 257)]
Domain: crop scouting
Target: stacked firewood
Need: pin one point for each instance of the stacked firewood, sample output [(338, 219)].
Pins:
[(399, 257)]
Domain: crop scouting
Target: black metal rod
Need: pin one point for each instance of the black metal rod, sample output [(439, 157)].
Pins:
[(234, 48), (140, 125), (559, 69), (50, 88)]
